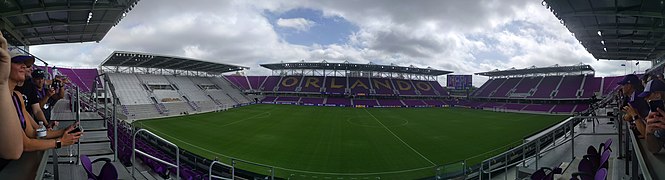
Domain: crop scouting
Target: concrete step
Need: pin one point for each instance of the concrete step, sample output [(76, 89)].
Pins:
[(87, 125), (94, 137), (69, 116), (90, 149)]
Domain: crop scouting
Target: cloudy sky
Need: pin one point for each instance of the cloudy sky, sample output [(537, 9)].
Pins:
[(462, 36)]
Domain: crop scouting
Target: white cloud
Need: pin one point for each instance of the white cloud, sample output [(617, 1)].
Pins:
[(300, 24), (462, 36)]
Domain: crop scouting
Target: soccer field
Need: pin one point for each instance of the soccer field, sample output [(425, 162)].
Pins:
[(306, 142)]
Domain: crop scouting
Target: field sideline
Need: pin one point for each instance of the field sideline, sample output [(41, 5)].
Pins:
[(341, 142)]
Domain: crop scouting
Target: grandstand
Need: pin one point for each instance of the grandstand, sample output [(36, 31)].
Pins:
[(158, 116), (330, 84), (556, 89), (167, 90)]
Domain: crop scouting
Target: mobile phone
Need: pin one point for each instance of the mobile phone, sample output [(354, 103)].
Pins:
[(77, 129), (655, 104)]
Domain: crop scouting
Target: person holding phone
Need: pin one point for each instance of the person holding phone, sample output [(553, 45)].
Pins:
[(636, 108), (53, 138), (654, 93)]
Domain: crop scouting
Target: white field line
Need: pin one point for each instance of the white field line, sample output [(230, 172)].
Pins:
[(400, 139), (296, 170)]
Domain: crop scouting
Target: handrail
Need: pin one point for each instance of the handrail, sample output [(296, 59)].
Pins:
[(525, 159), (551, 132), (134, 151), (78, 120), (570, 122), (558, 126), (211, 176), (640, 158)]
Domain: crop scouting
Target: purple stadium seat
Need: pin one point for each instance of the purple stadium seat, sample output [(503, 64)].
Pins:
[(601, 174), (563, 108), (339, 101), (108, 171), (610, 83), (569, 86), (591, 85), (538, 107), (256, 81), (336, 85), (527, 84), (606, 145), (269, 99), (482, 88), (359, 85), (414, 102), (503, 89), (289, 83), (547, 85), (437, 87), (581, 107), (366, 102), (83, 78), (270, 83), (425, 87), (312, 84), (490, 87), (382, 86), (390, 102), (287, 99), (239, 81), (434, 102), (404, 86), (516, 107), (492, 105), (311, 101)]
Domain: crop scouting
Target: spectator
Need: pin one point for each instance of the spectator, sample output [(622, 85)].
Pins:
[(10, 126), (646, 78), (655, 122), (60, 82), (636, 108), (53, 138), (37, 96)]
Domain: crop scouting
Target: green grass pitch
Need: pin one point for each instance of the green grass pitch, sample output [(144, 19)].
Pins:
[(307, 142)]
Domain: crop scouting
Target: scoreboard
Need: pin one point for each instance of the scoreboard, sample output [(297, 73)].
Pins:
[(459, 81)]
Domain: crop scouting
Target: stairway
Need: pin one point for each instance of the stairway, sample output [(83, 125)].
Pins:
[(94, 142)]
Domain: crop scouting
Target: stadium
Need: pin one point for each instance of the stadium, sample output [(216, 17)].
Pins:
[(158, 116)]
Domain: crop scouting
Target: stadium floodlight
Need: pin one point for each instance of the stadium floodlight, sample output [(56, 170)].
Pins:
[(602, 42), (605, 49), (600, 34), (89, 17)]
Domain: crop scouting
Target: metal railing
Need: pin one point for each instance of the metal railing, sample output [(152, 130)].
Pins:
[(520, 153), (134, 151), (508, 159), (78, 120), (211, 176), (639, 159), (531, 150)]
